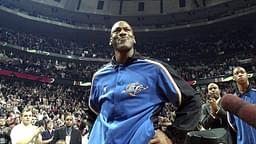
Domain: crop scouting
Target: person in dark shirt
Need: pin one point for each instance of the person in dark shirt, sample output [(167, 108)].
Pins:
[(47, 135), (4, 131), (67, 133), (213, 115)]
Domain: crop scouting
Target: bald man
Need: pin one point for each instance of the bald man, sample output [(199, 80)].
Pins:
[(213, 115), (129, 94)]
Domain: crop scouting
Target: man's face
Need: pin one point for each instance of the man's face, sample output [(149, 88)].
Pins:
[(8, 106), (2, 121), (27, 118), (122, 37), (69, 121), (240, 75), (49, 125), (213, 90)]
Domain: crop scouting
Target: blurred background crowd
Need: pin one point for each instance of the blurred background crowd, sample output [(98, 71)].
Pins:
[(53, 73)]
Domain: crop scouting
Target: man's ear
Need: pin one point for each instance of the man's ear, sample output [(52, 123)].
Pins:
[(110, 42), (134, 40)]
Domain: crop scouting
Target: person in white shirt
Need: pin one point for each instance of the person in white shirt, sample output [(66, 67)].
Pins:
[(25, 132)]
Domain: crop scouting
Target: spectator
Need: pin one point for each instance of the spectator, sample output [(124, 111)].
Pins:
[(4, 131), (68, 133), (25, 132), (47, 135), (213, 115)]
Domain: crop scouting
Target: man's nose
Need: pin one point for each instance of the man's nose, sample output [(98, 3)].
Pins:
[(122, 33)]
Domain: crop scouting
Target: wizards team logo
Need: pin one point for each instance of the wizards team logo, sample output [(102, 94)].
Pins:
[(134, 88)]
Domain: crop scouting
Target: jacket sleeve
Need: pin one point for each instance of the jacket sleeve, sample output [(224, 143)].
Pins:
[(187, 113), (79, 137), (222, 114), (206, 119), (93, 98), (209, 120), (55, 136)]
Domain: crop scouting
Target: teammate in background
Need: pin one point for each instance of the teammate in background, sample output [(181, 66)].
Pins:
[(245, 133)]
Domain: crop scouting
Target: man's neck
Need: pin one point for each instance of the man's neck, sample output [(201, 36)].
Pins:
[(122, 57), (27, 125), (243, 87)]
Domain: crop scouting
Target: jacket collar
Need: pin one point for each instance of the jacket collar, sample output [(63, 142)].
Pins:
[(248, 89), (136, 55)]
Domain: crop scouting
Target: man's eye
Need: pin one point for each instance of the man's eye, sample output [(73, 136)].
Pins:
[(117, 30)]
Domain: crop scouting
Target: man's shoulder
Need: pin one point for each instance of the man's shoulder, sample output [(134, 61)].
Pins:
[(153, 60), (20, 125), (251, 92), (156, 62), (253, 89), (76, 130), (104, 68), (62, 128)]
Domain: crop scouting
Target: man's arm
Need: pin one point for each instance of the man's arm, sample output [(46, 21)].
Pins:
[(93, 99), (35, 135), (222, 114), (188, 111), (38, 139), (160, 138), (56, 136), (206, 118), (79, 137), (47, 141)]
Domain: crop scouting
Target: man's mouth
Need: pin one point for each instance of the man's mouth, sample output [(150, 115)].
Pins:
[(240, 78), (123, 39)]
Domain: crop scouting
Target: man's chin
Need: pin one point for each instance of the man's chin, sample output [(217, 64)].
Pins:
[(123, 48), (242, 81)]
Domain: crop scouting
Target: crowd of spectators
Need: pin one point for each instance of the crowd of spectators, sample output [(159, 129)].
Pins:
[(49, 102), (202, 58), (41, 66), (52, 99), (55, 100), (55, 45), (193, 58)]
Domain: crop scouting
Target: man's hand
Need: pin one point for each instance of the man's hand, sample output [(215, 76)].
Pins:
[(164, 121), (39, 130), (160, 138), (214, 106)]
